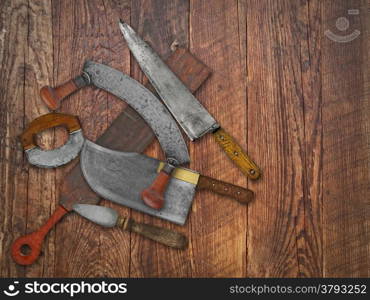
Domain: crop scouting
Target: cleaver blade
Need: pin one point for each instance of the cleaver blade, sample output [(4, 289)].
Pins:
[(120, 176)]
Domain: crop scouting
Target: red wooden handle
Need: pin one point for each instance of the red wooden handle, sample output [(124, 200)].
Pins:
[(52, 97), (153, 196), (34, 240)]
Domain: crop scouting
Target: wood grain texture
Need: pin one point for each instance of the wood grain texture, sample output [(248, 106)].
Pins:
[(295, 100), (14, 168), (42, 191), (160, 23), (346, 155), (216, 224), (275, 32), (85, 31)]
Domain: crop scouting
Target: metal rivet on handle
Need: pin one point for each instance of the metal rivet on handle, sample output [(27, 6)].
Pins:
[(236, 153), (252, 172)]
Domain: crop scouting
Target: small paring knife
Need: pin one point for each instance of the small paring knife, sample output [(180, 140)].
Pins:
[(108, 217)]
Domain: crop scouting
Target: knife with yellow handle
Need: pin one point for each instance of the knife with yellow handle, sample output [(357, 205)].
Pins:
[(194, 119)]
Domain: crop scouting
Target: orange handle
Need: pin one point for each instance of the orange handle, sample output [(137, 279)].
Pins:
[(35, 239), (52, 97), (47, 121), (153, 196)]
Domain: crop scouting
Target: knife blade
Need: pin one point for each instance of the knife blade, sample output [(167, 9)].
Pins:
[(108, 217), (194, 119)]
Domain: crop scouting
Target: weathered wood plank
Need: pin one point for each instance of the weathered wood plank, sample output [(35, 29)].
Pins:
[(346, 155), (276, 129), (41, 182), (160, 23), (82, 30), (218, 224), (309, 218), (13, 167), (115, 244)]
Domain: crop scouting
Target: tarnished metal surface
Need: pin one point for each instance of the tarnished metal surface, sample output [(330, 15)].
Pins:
[(121, 176), (100, 215), (58, 156), (190, 114), (146, 104)]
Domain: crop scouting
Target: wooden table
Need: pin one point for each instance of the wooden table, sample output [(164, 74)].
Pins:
[(295, 99)]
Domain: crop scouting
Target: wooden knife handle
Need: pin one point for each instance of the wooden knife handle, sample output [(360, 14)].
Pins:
[(236, 154), (45, 122), (242, 195), (53, 97), (153, 196), (161, 235), (34, 240)]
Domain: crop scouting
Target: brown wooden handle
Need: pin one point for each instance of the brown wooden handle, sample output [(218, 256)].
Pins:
[(45, 122), (161, 235), (236, 154), (34, 240), (53, 97), (242, 195), (153, 196)]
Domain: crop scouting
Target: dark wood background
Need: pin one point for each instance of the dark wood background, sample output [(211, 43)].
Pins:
[(297, 101)]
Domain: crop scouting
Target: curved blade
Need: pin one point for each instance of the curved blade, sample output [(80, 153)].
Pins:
[(191, 115), (146, 104), (121, 176), (101, 215), (59, 156)]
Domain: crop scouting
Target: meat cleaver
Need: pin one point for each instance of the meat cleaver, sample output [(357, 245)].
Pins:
[(128, 132), (120, 176)]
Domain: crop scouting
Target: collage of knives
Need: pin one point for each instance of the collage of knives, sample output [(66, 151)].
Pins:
[(113, 167)]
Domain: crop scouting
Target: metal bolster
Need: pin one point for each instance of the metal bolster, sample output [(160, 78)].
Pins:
[(82, 80), (168, 168)]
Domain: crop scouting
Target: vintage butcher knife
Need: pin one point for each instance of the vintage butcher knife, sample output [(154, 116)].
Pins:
[(190, 114), (128, 132), (108, 217), (120, 176)]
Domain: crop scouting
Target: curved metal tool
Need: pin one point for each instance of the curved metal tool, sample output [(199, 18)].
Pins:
[(58, 156), (155, 114)]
